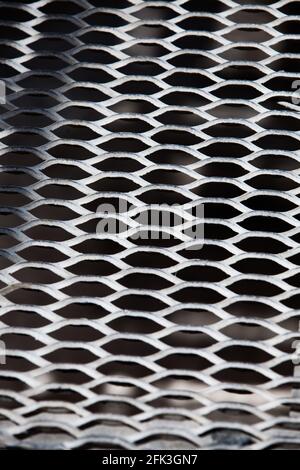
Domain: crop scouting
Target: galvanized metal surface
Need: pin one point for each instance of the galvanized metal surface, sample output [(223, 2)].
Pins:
[(123, 343)]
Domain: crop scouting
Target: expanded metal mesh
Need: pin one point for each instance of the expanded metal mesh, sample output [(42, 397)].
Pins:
[(126, 342)]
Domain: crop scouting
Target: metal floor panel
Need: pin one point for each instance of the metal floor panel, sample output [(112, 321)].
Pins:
[(113, 340)]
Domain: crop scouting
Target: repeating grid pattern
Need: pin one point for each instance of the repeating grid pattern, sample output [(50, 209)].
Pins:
[(119, 342)]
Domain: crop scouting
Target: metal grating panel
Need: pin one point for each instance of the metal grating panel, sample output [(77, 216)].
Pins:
[(120, 342)]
